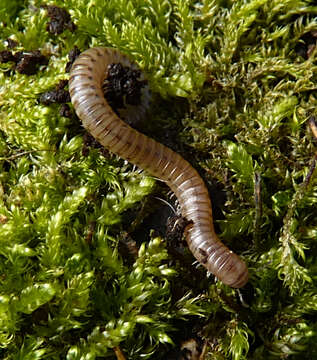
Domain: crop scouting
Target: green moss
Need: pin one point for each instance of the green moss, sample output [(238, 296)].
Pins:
[(243, 86)]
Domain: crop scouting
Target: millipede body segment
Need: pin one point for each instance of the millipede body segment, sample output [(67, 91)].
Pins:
[(87, 77)]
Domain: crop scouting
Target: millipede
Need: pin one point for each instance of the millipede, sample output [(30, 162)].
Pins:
[(87, 80)]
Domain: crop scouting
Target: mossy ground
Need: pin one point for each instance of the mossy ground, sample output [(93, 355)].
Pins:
[(242, 78)]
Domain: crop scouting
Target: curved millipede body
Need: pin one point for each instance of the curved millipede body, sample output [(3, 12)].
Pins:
[(87, 76)]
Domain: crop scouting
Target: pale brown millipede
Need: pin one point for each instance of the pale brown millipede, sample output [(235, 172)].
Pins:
[(85, 86)]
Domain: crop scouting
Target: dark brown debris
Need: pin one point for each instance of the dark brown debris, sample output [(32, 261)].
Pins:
[(59, 95), (6, 56), (175, 227), (60, 20), (25, 62), (122, 86), (72, 55), (65, 111)]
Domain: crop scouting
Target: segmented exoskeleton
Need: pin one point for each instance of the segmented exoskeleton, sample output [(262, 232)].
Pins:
[(87, 77)]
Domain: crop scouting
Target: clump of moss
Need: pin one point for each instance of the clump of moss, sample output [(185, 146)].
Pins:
[(242, 78)]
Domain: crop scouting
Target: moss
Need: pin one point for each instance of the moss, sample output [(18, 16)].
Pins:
[(242, 78)]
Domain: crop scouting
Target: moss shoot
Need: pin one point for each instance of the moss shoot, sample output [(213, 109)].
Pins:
[(235, 83)]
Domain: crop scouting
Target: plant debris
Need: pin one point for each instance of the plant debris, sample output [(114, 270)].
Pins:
[(25, 62), (60, 20)]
